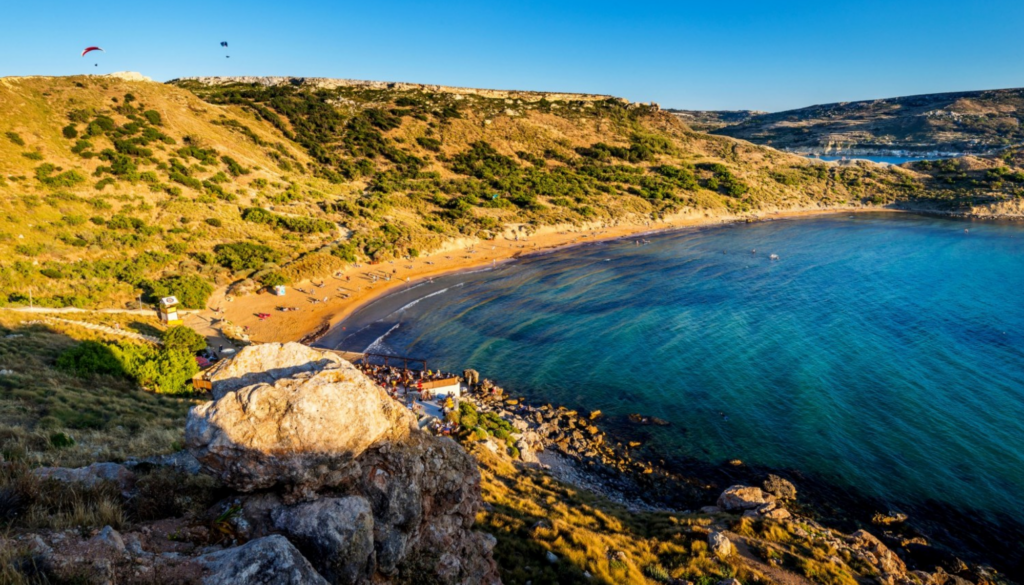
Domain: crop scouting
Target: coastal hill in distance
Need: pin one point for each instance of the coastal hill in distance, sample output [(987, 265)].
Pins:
[(944, 124)]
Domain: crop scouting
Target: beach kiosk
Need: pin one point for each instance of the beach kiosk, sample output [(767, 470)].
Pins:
[(438, 388), (278, 290), (169, 311)]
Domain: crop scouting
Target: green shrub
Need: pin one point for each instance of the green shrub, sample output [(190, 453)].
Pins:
[(183, 338), (33, 155), (89, 358), (191, 290), (61, 440), (213, 221), (153, 117), (70, 131), (468, 414), (167, 372), (15, 138), (234, 167), (273, 279), (245, 255), (44, 174), (431, 144)]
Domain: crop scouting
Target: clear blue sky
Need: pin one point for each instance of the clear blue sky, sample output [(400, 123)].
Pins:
[(698, 55)]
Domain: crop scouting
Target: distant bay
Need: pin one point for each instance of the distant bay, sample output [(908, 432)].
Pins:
[(882, 351)]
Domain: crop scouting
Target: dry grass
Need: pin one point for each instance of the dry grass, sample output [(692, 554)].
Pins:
[(108, 418), (531, 514)]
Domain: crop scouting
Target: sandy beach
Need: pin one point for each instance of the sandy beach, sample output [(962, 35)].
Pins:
[(338, 295)]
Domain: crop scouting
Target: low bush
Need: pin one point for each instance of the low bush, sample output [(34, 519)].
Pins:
[(183, 338), (90, 358), (191, 290)]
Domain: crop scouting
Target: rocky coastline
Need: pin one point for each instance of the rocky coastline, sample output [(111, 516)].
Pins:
[(610, 457)]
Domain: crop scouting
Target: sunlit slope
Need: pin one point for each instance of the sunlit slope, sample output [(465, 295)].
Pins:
[(113, 187)]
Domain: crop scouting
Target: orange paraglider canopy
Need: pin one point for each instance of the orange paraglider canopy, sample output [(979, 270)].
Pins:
[(90, 49)]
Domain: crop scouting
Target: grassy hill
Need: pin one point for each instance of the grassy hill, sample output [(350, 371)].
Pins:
[(711, 120), (111, 188), (978, 122)]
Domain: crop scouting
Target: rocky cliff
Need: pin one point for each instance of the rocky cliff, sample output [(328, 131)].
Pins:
[(325, 479)]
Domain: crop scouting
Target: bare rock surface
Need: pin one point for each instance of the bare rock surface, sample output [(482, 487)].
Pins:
[(266, 363), (271, 560), (741, 497), (335, 534), (341, 470), (303, 432), (91, 476), (720, 545)]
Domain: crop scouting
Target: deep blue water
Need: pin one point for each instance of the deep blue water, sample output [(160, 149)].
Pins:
[(883, 351)]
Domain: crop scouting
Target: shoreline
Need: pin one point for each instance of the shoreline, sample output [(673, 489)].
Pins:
[(312, 320)]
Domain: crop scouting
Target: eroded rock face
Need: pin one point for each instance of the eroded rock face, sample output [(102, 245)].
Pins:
[(335, 534), (271, 560), (741, 497), (343, 471), (870, 550)]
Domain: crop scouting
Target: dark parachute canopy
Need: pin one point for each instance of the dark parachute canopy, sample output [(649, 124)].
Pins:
[(224, 44)]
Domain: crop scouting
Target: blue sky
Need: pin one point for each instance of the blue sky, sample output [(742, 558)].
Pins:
[(697, 55)]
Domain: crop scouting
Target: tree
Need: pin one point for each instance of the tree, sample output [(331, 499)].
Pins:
[(191, 290), (165, 371), (183, 338)]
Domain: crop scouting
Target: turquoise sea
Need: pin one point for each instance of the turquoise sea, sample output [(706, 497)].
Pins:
[(884, 352)]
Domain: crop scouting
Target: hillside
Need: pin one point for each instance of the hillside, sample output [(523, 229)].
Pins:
[(113, 187), (711, 120), (976, 122)]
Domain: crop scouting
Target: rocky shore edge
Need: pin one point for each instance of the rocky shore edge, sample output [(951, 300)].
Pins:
[(614, 462)]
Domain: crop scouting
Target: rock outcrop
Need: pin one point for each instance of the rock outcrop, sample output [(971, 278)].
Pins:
[(353, 483), (267, 363), (271, 560), (741, 497)]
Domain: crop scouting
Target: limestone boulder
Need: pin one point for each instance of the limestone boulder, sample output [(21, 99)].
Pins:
[(271, 560), (720, 545), (740, 497), (91, 476), (335, 534), (303, 432), (266, 363), (872, 551), (343, 471)]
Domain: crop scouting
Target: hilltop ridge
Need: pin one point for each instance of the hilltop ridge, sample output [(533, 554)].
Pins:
[(952, 123), (333, 83)]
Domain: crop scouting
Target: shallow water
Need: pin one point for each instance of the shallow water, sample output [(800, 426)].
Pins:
[(882, 351)]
